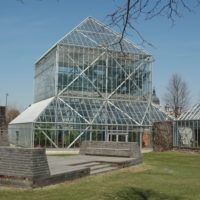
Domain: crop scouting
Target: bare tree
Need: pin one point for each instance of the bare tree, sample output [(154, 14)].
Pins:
[(177, 96), (127, 15), (12, 113)]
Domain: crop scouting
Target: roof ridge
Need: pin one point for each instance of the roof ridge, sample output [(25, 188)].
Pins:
[(128, 45), (119, 35)]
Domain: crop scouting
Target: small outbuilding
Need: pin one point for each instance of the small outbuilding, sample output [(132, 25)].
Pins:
[(187, 128)]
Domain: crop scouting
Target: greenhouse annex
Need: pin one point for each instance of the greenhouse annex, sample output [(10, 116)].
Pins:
[(89, 87), (186, 131)]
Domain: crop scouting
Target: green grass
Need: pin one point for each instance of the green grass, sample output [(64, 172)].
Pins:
[(162, 176)]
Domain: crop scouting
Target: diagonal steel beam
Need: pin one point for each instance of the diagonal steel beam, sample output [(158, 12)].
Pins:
[(85, 76), (78, 137), (54, 144), (91, 39), (82, 72), (125, 72), (74, 110), (98, 112), (124, 113), (128, 77)]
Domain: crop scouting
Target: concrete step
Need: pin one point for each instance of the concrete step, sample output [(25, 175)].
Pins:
[(102, 170), (90, 164), (96, 167), (86, 164), (99, 166)]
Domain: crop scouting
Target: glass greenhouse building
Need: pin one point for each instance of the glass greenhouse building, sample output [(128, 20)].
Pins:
[(88, 87), (187, 128)]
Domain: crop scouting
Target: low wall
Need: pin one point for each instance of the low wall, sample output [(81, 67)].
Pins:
[(3, 138), (187, 149), (118, 149), (22, 167), (20, 162), (27, 167)]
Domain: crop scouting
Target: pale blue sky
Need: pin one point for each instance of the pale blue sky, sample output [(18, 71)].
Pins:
[(28, 30)]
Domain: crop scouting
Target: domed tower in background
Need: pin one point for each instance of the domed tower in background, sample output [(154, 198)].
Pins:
[(155, 99)]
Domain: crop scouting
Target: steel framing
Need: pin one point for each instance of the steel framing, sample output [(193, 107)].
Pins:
[(186, 131), (100, 92)]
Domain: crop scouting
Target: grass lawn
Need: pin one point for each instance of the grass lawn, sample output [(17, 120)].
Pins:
[(162, 176)]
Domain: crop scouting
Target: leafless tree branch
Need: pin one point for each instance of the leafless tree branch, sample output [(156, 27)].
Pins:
[(127, 15)]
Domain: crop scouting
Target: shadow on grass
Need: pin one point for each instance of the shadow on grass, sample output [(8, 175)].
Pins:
[(141, 194)]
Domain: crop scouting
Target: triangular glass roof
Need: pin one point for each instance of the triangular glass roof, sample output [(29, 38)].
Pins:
[(93, 111), (191, 114), (93, 34)]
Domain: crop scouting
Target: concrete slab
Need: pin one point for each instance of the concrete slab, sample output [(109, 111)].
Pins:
[(60, 168), (60, 164)]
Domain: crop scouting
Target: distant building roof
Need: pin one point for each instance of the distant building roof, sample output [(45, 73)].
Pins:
[(155, 99)]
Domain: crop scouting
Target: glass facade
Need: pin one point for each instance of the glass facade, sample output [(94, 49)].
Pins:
[(45, 77), (187, 129), (94, 72), (102, 90)]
